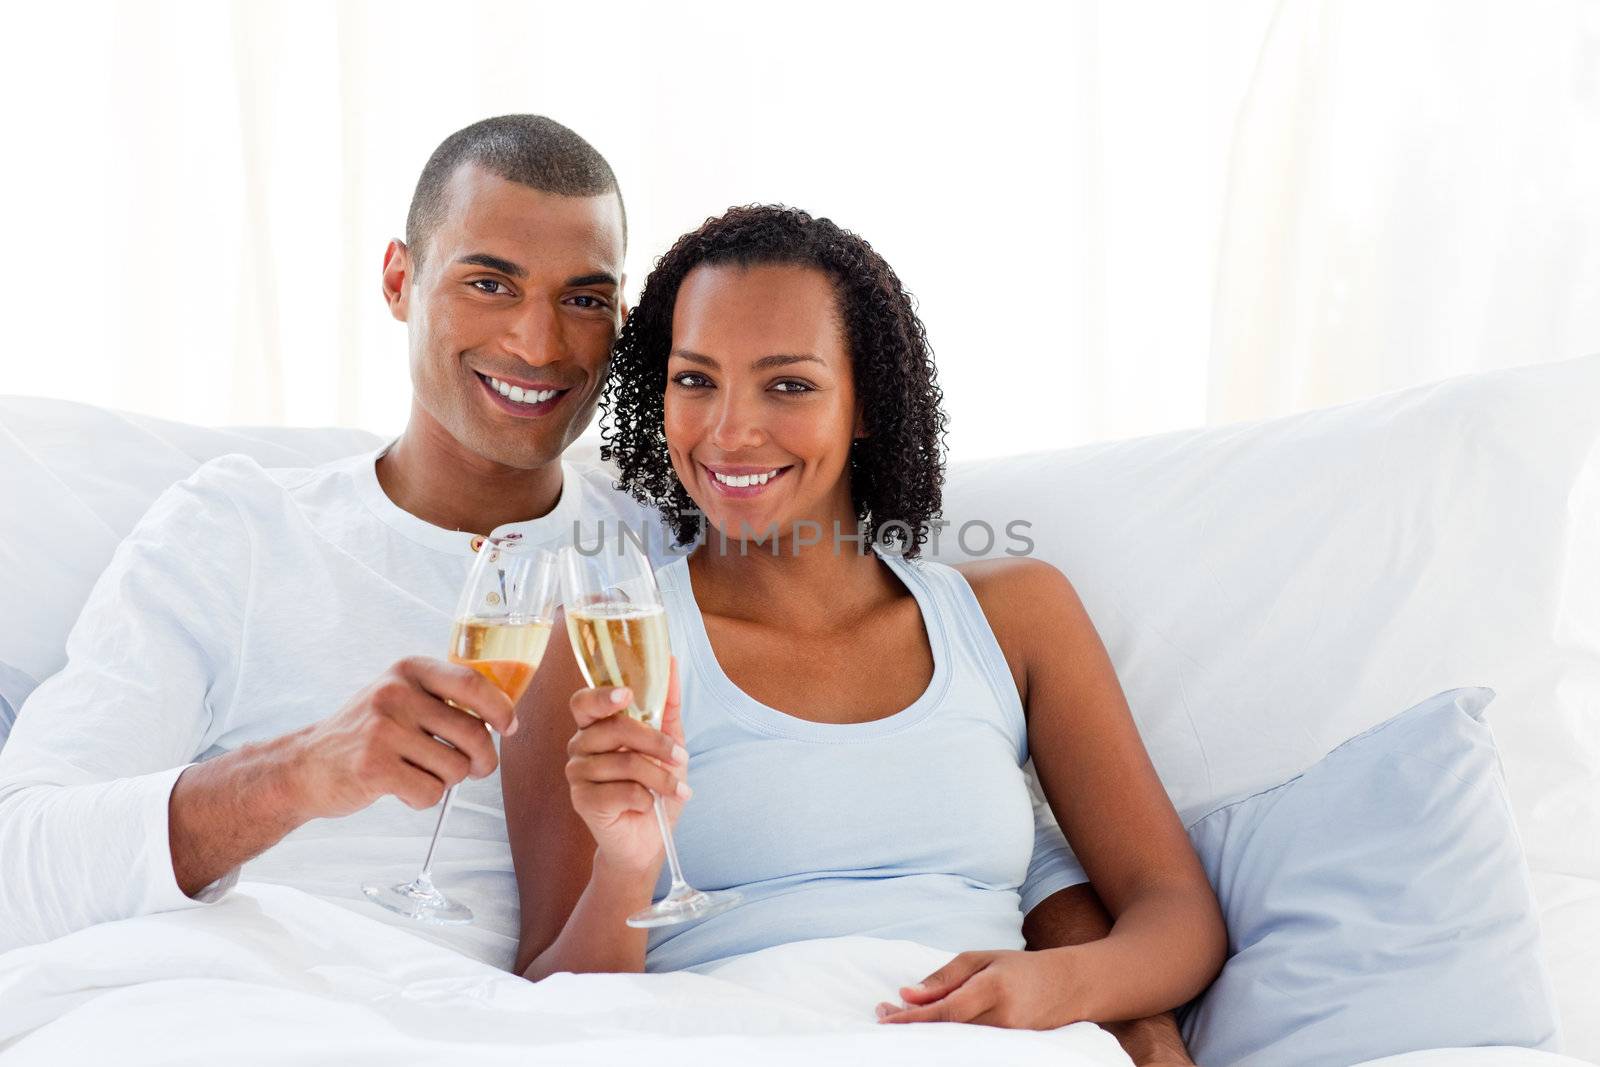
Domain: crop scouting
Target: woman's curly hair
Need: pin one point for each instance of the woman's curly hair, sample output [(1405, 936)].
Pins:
[(896, 470)]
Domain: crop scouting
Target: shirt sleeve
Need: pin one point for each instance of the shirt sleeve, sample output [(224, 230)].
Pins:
[(1053, 866), (87, 774)]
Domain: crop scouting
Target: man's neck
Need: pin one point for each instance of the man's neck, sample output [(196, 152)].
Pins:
[(428, 473)]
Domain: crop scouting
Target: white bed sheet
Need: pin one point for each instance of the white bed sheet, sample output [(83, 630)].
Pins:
[(271, 975)]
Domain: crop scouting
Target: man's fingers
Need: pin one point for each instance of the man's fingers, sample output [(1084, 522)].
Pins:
[(416, 787), (462, 731), (947, 978), (466, 687), (443, 762), (620, 731)]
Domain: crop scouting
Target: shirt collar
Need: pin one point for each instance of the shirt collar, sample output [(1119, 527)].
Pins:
[(554, 527)]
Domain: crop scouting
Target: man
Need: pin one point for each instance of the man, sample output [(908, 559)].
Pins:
[(205, 719)]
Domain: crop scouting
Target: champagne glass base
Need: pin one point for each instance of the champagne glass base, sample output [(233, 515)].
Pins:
[(688, 907), (419, 900)]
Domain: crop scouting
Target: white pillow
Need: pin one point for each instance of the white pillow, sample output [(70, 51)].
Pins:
[(1269, 590), (76, 480)]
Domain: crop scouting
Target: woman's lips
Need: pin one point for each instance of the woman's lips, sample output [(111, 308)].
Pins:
[(749, 476)]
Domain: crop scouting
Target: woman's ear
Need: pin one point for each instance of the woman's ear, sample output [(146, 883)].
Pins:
[(861, 427)]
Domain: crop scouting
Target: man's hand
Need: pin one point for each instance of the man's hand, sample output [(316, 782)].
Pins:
[(399, 736), (1021, 990)]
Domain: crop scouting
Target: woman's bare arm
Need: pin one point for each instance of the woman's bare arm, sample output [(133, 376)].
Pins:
[(1167, 940), (573, 907)]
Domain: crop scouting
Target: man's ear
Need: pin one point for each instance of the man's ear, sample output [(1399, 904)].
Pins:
[(397, 270)]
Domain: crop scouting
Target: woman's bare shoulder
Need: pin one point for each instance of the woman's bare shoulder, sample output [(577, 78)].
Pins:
[(1032, 609), (1014, 584)]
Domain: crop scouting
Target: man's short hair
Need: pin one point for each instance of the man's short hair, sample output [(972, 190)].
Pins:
[(530, 150)]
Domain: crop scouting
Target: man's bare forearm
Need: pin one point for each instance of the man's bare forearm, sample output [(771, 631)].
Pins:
[(1075, 916), (229, 810)]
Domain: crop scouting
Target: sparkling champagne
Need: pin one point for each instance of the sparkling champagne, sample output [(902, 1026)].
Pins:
[(506, 651), (625, 644)]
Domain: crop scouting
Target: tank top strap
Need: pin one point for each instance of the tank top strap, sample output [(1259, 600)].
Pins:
[(972, 640)]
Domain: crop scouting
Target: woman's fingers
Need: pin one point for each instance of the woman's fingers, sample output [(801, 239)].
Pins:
[(620, 731), (589, 706), (628, 767), (608, 800), (672, 714), (966, 1004), (946, 979)]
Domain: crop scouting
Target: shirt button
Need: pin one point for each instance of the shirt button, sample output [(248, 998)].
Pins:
[(477, 542)]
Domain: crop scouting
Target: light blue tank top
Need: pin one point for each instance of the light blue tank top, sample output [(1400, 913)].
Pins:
[(918, 826)]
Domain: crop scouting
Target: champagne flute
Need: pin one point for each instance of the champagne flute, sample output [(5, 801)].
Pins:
[(502, 624), (618, 628)]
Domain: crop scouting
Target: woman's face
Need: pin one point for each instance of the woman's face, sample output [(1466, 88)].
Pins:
[(761, 406)]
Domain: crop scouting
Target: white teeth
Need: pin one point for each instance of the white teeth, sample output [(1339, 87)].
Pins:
[(521, 395), (740, 481)]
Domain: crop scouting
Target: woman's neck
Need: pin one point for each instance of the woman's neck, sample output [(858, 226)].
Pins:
[(812, 587)]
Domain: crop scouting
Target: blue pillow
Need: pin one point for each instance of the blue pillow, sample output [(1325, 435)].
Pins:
[(1377, 904)]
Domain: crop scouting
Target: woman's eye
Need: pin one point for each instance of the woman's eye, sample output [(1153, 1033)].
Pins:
[(689, 380), (792, 387), (488, 285)]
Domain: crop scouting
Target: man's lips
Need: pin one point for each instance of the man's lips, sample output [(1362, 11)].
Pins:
[(521, 408)]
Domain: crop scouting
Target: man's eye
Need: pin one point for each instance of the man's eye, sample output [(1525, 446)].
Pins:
[(488, 285), (592, 301)]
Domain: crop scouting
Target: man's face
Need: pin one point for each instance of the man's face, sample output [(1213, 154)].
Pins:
[(512, 315)]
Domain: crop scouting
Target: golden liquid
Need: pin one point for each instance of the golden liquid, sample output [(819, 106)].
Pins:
[(623, 644), (504, 651)]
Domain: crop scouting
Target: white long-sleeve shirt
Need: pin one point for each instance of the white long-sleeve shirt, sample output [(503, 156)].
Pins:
[(246, 604)]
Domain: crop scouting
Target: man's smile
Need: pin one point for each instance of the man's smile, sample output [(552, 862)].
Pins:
[(523, 399)]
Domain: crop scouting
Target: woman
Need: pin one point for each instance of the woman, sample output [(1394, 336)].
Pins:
[(857, 722)]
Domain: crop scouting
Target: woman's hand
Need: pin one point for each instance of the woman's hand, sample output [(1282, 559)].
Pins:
[(1016, 989), (613, 764)]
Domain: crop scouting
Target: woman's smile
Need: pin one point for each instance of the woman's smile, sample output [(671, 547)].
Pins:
[(743, 481)]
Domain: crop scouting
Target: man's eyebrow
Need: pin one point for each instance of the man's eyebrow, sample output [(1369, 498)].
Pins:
[(598, 278), (484, 259), (780, 360)]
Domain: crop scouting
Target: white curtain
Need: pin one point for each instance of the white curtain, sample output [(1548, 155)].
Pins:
[(1119, 217)]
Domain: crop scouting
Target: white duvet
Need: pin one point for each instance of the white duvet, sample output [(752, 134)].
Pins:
[(271, 975)]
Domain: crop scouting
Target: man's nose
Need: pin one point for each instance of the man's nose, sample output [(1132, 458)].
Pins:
[(534, 334)]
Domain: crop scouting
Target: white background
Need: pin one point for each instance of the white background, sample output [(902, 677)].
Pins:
[(1118, 217)]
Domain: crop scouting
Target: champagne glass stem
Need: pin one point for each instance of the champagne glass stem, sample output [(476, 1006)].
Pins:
[(444, 809), (678, 884)]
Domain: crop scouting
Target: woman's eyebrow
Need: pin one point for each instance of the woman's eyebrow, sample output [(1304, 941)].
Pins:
[(780, 360)]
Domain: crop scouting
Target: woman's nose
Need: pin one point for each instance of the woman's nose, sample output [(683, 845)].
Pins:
[(736, 425)]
